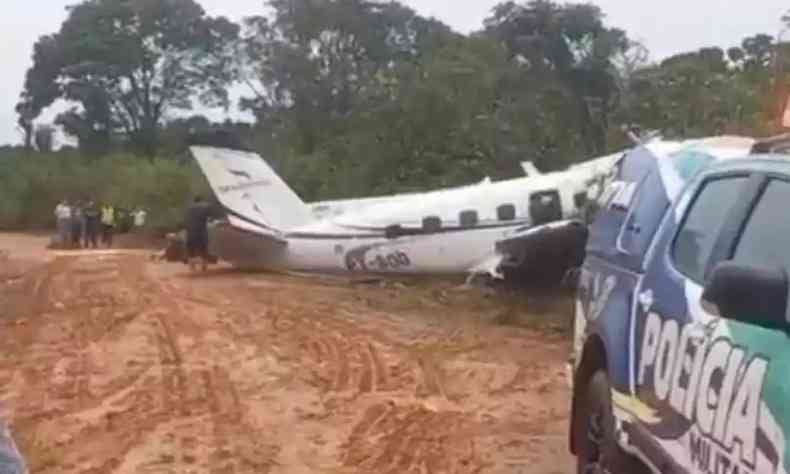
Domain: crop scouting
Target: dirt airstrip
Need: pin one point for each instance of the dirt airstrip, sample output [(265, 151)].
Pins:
[(112, 363)]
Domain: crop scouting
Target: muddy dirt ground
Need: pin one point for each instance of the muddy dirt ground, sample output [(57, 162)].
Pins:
[(112, 363)]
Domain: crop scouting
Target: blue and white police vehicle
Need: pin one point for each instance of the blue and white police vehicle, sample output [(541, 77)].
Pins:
[(681, 359)]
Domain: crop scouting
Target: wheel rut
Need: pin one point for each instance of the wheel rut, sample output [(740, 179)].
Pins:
[(117, 365)]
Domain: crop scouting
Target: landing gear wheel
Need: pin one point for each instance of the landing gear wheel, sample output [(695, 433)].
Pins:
[(597, 449)]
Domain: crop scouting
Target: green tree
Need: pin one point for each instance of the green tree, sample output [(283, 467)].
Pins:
[(566, 45), (315, 63), (127, 63)]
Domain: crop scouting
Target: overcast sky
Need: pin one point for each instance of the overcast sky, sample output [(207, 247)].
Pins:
[(665, 26)]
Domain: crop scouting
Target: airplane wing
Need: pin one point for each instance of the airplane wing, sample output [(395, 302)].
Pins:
[(548, 251)]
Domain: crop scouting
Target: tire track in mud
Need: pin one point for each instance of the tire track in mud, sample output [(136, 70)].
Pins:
[(237, 446), (87, 296), (353, 364), (374, 376), (73, 307), (41, 376), (98, 288), (347, 358), (192, 400), (413, 439), (342, 356)]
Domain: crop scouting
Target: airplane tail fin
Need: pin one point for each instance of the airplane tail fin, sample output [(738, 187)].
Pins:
[(250, 190)]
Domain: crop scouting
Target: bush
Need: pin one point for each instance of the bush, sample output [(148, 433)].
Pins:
[(31, 184)]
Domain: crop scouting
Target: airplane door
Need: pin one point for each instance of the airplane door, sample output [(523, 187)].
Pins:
[(545, 207)]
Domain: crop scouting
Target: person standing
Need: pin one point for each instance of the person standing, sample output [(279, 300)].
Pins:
[(196, 223), (63, 220), (139, 217), (76, 225), (92, 217), (108, 224)]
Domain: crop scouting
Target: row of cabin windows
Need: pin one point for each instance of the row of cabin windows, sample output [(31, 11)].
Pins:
[(544, 207), (506, 212)]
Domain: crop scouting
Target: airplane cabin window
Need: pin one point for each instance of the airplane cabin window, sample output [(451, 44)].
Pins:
[(580, 200), (432, 224), (468, 218), (393, 231), (506, 212), (545, 207)]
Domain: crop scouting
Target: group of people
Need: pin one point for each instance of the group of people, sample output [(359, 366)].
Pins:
[(83, 224)]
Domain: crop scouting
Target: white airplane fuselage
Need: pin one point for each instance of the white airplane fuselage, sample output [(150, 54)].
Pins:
[(447, 253), (449, 231)]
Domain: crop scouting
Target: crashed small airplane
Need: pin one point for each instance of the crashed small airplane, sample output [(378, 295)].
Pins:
[(450, 231), (530, 225)]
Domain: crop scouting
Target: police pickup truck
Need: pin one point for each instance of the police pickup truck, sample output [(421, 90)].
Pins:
[(682, 328)]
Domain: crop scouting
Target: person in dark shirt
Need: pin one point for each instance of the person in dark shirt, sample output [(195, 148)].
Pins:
[(77, 220), (92, 217), (196, 224)]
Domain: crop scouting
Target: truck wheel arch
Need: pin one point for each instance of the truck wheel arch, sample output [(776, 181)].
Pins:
[(593, 359)]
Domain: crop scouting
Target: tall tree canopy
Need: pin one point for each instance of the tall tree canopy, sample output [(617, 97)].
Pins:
[(358, 97), (316, 62), (125, 64), (566, 45)]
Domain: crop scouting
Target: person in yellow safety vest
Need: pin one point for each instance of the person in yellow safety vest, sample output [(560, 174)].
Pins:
[(108, 224)]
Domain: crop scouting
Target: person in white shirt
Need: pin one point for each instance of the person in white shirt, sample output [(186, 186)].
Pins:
[(63, 220), (139, 217)]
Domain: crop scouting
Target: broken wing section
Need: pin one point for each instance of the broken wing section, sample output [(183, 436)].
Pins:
[(544, 254)]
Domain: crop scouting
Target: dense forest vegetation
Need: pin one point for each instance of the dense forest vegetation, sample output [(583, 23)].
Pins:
[(357, 97)]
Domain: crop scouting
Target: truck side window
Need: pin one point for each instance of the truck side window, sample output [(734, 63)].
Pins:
[(704, 221), (765, 237)]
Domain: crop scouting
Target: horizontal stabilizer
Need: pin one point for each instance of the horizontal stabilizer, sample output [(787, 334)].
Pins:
[(246, 226), (246, 246)]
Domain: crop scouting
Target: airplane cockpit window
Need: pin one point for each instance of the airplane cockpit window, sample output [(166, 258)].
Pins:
[(506, 212), (545, 207), (432, 224), (468, 218)]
